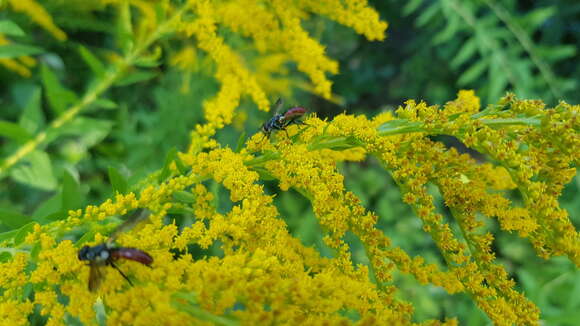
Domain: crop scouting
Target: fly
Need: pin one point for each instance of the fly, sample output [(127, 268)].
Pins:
[(106, 254), (282, 120)]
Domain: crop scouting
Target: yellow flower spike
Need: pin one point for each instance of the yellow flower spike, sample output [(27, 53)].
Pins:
[(13, 312), (38, 14)]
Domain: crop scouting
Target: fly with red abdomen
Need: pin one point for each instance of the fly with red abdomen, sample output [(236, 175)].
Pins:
[(106, 254), (282, 120)]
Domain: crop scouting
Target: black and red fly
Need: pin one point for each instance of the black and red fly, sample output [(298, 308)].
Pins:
[(282, 120), (106, 254)]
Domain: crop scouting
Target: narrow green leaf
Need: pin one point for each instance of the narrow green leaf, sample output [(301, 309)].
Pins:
[(35, 171), (59, 97), (473, 72), (150, 60), (124, 28), (14, 131), (23, 232), (32, 118), (184, 197), (411, 6), (71, 192), (467, 51), (171, 155), (89, 236), (105, 104), (241, 141), (92, 61), (448, 32), (5, 236), (534, 19), (13, 219), (118, 181), (427, 14), (8, 27), (555, 53), (136, 77), (14, 50)]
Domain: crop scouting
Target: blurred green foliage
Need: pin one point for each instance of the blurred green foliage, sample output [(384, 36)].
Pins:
[(433, 49)]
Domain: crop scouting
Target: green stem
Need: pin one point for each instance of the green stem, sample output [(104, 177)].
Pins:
[(90, 96)]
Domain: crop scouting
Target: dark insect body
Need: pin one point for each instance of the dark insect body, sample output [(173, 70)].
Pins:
[(282, 120), (106, 254)]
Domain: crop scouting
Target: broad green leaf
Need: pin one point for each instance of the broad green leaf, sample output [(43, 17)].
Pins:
[(92, 61), (471, 74), (118, 181), (14, 50), (47, 208), (468, 49), (59, 97), (23, 232), (35, 171), (90, 131), (14, 131), (56, 216), (32, 119), (13, 219), (71, 193), (135, 77), (8, 27)]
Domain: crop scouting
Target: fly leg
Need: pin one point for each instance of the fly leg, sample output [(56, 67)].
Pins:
[(121, 272)]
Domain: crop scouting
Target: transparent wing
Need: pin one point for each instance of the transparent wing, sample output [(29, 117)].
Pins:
[(278, 106), (134, 218), (95, 277)]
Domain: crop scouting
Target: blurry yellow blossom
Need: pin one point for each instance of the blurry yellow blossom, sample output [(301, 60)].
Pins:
[(39, 15)]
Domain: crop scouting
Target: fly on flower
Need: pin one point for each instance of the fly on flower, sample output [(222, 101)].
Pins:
[(107, 253), (282, 120)]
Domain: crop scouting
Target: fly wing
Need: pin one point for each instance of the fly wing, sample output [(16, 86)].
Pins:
[(278, 106), (137, 216), (132, 254), (95, 277)]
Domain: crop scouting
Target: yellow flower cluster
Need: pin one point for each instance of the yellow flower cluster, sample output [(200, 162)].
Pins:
[(39, 15)]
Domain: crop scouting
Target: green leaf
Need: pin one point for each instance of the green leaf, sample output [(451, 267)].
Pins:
[(473, 72), (5, 236), (105, 104), (90, 131), (468, 49), (536, 18), (89, 236), (13, 219), (71, 192), (47, 208), (556, 52), (135, 77), (35, 171), (8, 27), (118, 181), (150, 60), (14, 131), (427, 14), (59, 97), (92, 61), (14, 50), (241, 141), (184, 197), (23, 232), (448, 32), (32, 119), (56, 216), (171, 156), (411, 6)]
